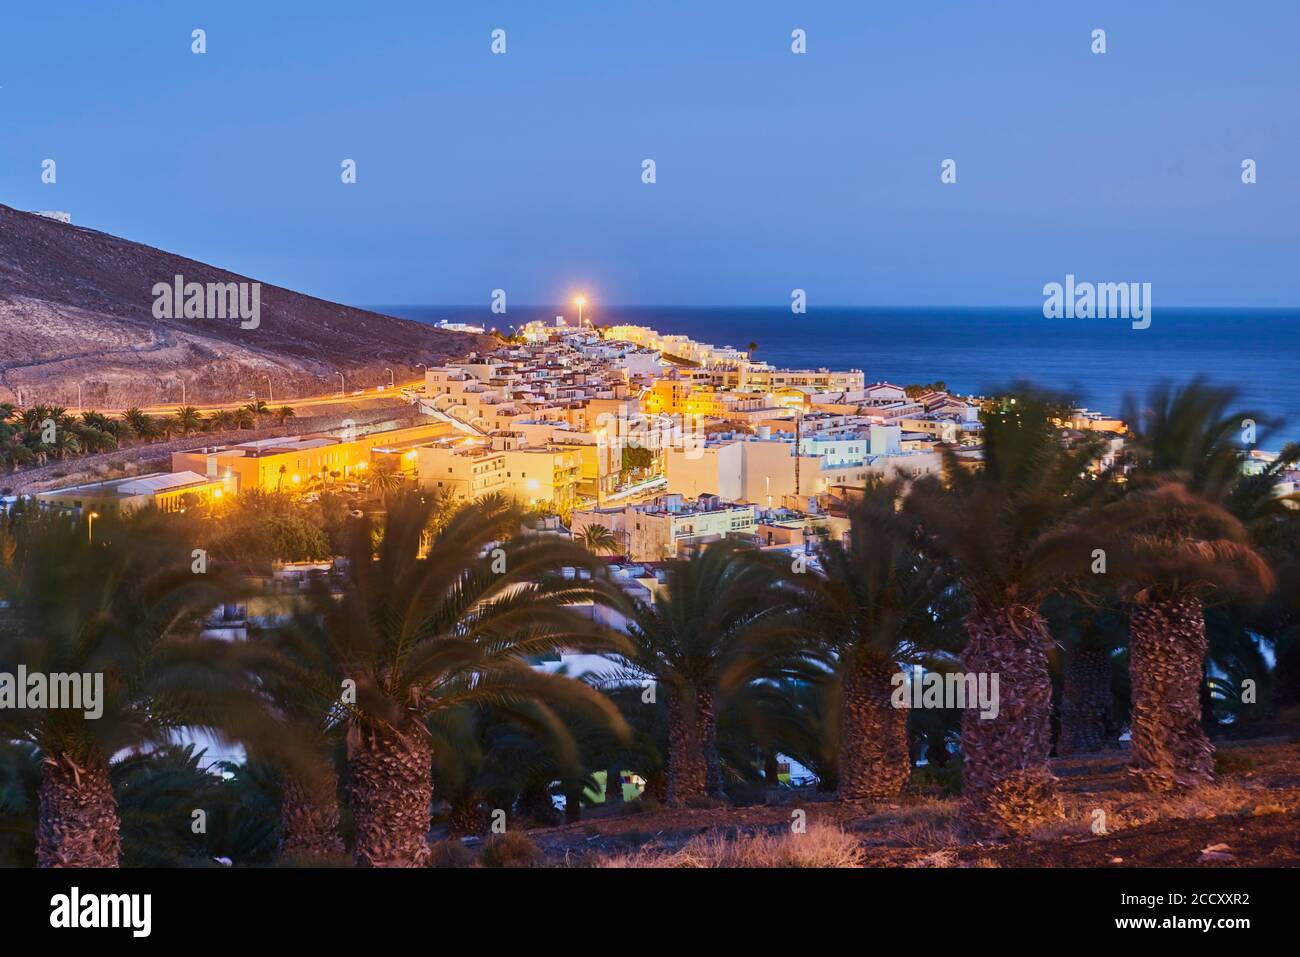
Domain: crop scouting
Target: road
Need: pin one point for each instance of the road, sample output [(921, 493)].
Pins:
[(383, 394)]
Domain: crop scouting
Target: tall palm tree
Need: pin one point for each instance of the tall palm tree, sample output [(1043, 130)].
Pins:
[(881, 602), (1088, 635), (127, 608), (304, 685), (283, 414), (720, 622), (1171, 549), (1181, 546), (1006, 531), (428, 622)]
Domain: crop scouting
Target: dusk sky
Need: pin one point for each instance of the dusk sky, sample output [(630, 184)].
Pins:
[(820, 171)]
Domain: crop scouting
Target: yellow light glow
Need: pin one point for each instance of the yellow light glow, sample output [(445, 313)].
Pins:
[(580, 301), (297, 479), (216, 493)]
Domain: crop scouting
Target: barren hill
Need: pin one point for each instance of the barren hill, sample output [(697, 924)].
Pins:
[(77, 307)]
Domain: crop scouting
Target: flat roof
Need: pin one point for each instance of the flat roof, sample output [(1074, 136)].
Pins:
[(152, 483)]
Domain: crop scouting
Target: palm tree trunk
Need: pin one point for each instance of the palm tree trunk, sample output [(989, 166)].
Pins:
[(1166, 669), (572, 803), (1008, 789), (309, 819), (77, 824), (712, 756), (392, 790), (874, 758), (1085, 702), (465, 817), (613, 786), (535, 803), (689, 714), (656, 785), (771, 770)]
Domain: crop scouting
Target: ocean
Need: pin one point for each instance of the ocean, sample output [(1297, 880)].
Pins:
[(1097, 362)]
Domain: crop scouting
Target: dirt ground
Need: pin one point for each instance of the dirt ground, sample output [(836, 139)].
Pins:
[(1249, 818)]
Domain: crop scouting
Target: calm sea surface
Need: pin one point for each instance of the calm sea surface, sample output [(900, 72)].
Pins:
[(1097, 361)]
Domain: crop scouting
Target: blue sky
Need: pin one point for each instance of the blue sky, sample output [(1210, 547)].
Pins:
[(775, 170)]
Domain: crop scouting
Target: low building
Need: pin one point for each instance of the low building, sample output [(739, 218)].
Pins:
[(282, 463), (166, 491)]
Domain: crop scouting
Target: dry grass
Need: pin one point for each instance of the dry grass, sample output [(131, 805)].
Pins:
[(820, 846), (925, 822), (1134, 809)]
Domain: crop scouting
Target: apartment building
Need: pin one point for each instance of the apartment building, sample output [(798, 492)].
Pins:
[(465, 469), (670, 526)]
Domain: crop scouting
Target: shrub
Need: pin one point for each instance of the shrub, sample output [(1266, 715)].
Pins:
[(645, 804), (451, 853), (511, 849)]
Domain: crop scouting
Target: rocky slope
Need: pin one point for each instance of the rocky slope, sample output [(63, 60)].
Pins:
[(76, 307)]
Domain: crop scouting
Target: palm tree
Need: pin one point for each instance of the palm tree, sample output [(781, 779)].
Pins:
[(879, 604), (1006, 532), (1171, 549), (257, 409), (1180, 547), (283, 414), (431, 622), (221, 420), (303, 683), (127, 607), (598, 540), (720, 623), (188, 419), (1088, 636), (385, 481), (142, 424)]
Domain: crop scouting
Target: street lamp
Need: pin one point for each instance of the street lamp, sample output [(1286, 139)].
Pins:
[(581, 301), (342, 385), (270, 396), (90, 529), (392, 384)]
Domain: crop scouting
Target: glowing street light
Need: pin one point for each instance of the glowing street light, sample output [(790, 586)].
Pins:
[(580, 301), (90, 529)]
